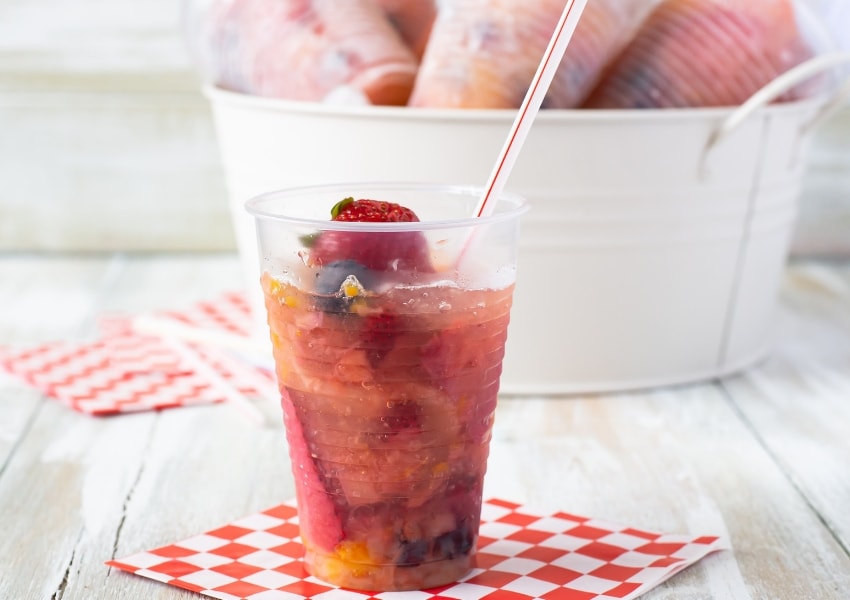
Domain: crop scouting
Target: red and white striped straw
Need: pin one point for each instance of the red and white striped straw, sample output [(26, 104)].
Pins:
[(531, 104)]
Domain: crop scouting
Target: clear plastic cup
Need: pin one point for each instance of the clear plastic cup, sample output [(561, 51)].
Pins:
[(388, 341)]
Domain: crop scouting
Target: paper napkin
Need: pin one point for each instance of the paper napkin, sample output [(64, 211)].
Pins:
[(125, 371), (521, 555)]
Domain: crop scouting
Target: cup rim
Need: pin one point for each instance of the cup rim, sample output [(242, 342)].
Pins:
[(257, 206)]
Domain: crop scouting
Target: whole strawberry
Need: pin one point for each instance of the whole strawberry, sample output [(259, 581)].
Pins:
[(374, 211), (377, 251)]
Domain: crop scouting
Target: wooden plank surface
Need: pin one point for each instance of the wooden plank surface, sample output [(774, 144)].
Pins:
[(80, 490), (798, 403), (760, 457)]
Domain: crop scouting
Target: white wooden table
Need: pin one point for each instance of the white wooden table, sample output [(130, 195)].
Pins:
[(763, 457)]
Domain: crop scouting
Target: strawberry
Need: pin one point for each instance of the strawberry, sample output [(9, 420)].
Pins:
[(318, 513), (372, 211), (385, 251)]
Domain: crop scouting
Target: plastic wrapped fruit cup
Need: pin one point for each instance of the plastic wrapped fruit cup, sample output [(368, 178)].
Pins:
[(388, 341)]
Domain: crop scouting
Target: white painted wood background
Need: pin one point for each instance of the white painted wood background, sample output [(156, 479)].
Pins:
[(106, 142)]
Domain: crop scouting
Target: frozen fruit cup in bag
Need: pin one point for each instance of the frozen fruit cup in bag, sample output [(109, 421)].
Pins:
[(388, 340), (306, 50)]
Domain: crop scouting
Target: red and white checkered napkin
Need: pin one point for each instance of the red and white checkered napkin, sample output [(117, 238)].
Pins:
[(124, 371), (229, 312), (521, 555)]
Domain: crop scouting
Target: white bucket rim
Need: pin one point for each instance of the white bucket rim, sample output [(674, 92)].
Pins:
[(730, 116), (406, 113)]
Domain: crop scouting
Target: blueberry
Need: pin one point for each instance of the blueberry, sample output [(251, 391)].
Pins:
[(413, 553), (330, 278), (457, 542), (453, 544)]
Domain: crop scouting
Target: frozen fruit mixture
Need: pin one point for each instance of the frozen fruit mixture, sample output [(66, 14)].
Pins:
[(388, 373)]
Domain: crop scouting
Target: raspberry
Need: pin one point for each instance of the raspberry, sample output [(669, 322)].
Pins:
[(404, 415), (379, 333)]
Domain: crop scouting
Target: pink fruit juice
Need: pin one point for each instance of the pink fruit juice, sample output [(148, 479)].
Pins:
[(388, 396)]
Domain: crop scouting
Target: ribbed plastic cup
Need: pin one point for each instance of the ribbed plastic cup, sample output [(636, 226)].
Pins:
[(388, 341)]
